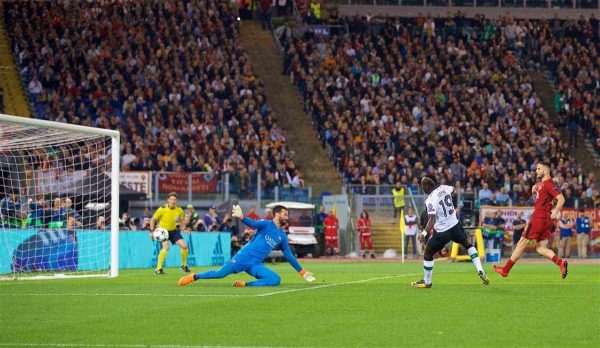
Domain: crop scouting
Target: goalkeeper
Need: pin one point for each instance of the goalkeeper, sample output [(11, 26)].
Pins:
[(267, 236)]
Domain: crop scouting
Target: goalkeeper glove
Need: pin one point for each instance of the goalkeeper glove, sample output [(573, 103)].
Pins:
[(309, 277), (236, 211)]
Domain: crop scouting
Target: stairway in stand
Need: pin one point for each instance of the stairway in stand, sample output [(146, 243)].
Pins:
[(283, 97), (15, 101)]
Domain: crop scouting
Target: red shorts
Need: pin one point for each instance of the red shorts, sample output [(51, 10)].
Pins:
[(538, 229)]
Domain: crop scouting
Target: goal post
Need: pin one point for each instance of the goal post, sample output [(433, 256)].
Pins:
[(59, 200)]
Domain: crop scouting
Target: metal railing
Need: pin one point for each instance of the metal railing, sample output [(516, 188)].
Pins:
[(193, 187)]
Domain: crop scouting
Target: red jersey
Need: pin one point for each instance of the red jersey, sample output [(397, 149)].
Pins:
[(331, 225), (363, 226), (546, 192), (253, 216)]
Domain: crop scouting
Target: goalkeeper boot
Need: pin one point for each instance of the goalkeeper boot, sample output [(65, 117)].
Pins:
[(421, 284), (239, 284), (185, 280), (185, 269), (483, 277), (159, 272), (563, 269), (500, 271)]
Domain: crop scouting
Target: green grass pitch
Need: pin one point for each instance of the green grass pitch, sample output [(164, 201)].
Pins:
[(351, 304)]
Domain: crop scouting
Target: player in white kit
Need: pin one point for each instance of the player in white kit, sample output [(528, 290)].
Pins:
[(446, 228)]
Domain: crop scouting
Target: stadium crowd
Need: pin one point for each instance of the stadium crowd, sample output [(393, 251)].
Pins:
[(453, 97), (392, 100), (173, 78)]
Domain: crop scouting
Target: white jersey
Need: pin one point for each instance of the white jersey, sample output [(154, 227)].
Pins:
[(439, 202)]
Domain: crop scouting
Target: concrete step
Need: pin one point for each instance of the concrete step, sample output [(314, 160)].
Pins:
[(15, 100), (310, 157)]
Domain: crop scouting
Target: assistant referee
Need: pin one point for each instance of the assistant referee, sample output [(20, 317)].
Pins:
[(169, 216)]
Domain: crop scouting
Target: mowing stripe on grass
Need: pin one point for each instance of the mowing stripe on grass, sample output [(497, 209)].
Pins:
[(224, 295), (128, 294)]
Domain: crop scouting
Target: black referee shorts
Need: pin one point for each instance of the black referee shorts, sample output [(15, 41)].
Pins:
[(440, 239), (174, 236)]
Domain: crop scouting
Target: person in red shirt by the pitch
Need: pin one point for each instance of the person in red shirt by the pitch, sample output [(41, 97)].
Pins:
[(251, 215), (363, 229), (331, 235), (541, 223)]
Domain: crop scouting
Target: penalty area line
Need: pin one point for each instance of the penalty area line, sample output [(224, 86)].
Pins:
[(337, 284)]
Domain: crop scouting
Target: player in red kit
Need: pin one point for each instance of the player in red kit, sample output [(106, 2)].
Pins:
[(363, 227), (541, 223), (331, 234)]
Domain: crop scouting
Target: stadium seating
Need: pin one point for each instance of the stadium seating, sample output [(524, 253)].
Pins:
[(172, 77), (399, 98)]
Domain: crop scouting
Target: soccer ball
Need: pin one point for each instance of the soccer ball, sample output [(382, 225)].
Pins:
[(160, 234)]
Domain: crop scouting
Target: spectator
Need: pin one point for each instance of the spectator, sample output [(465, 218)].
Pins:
[(38, 212), (489, 228), (434, 127), (200, 226), (145, 216), (144, 224), (266, 14), (212, 221), (500, 224), (252, 213), (126, 221), (519, 225), (228, 226), (268, 214), (320, 228), (35, 89), (101, 223), (10, 208), (170, 116), (191, 218), (485, 194), (70, 211), (411, 222), (71, 223), (58, 218), (584, 227), (565, 226), (502, 198)]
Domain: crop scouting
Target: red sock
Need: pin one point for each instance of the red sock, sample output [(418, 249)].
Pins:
[(558, 261), (508, 265)]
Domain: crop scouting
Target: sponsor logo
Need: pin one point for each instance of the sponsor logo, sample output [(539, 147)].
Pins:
[(217, 255), (270, 241)]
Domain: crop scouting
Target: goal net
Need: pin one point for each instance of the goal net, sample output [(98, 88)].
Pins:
[(58, 200)]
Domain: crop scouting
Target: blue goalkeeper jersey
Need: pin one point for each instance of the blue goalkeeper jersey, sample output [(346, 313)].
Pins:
[(266, 238)]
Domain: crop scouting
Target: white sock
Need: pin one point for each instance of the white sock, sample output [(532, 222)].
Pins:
[(428, 269), (475, 258)]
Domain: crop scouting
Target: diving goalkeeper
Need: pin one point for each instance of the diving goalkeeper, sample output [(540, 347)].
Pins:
[(267, 236)]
